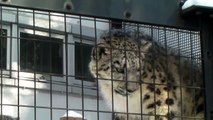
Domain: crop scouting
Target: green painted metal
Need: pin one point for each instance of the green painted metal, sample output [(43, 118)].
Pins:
[(164, 12)]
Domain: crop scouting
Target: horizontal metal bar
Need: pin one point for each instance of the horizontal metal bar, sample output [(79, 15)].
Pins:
[(162, 12)]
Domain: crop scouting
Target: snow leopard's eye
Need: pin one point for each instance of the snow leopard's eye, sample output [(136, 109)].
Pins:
[(98, 52), (118, 67), (119, 70), (116, 62)]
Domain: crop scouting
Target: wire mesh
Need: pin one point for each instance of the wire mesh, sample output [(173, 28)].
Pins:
[(44, 66)]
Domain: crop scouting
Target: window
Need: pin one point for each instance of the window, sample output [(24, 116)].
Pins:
[(82, 59), (41, 54), (3, 48)]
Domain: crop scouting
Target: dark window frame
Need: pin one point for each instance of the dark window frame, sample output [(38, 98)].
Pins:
[(82, 59), (3, 48), (40, 44)]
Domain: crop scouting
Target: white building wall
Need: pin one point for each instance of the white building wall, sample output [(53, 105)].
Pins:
[(28, 101), (28, 95)]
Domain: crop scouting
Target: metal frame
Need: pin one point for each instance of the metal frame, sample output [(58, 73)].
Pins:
[(161, 13)]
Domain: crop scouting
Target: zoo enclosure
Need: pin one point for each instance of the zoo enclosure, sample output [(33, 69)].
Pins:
[(23, 24)]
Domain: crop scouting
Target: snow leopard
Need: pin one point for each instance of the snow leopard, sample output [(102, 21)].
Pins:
[(140, 79)]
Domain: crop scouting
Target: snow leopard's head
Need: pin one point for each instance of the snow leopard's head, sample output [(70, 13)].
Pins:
[(119, 58)]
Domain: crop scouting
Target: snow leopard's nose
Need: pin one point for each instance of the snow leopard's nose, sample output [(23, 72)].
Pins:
[(131, 87), (97, 52)]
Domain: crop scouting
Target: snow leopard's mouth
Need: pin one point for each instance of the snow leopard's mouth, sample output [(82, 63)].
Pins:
[(122, 91), (125, 90)]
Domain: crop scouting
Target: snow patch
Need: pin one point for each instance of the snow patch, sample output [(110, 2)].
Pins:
[(203, 3), (72, 114)]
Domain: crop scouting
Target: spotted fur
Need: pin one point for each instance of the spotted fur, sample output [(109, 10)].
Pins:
[(140, 76)]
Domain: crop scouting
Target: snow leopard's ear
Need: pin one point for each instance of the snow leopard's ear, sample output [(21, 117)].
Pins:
[(145, 45)]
